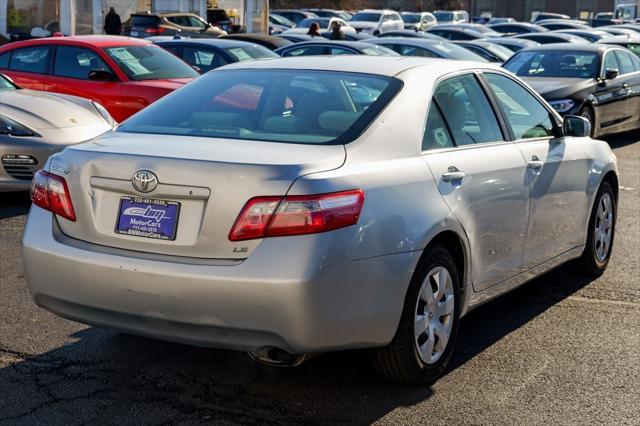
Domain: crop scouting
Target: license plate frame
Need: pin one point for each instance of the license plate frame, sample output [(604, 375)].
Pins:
[(145, 218)]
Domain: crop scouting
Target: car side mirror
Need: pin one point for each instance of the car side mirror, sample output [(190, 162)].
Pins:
[(611, 73), (576, 126), (101, 75)]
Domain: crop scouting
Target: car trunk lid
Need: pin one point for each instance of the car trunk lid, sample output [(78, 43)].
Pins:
[(209, 179)]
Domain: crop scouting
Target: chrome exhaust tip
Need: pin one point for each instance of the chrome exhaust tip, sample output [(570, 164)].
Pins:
[(277, 357)]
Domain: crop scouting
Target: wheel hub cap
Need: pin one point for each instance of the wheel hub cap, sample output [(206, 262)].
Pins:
[(603, 231), (434, 315)]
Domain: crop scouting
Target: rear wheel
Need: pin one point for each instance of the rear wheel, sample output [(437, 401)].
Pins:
[(597, 252), (423, 344), (587, 112)]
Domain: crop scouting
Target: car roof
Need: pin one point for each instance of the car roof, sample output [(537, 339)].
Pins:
[(216, 42), (378, 65), (574, 47), (86, 40), (620, 39), (513, 41), (409, 41)]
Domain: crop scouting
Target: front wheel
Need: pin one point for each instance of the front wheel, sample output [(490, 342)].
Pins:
[(423, 344), (587, 112), (602, 223)]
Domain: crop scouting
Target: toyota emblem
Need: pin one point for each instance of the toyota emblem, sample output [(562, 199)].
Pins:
[(144, 181)]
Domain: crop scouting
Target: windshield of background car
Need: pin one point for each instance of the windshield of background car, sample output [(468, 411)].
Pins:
[(149, 63), (453, 51), (6, 84), (246, 53), (411, 18), (365, 17), (554, 63), (288, 106), (443, 16)]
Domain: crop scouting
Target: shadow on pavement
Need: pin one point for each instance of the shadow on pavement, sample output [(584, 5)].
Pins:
[(126, 379), (622, 139), (14, 204)]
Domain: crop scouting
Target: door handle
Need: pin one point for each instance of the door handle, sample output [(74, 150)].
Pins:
[(452, 174)]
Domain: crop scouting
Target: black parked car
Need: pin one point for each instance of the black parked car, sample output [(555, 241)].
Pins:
[(517, 28), (219, 18), (596, 81), (490, 51), (552, 37), (270, 42), (428, 48), (207, 54), (328, 47), (168, 24)]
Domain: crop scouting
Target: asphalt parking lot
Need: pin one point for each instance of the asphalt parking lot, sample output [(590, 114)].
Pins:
[(560, 350)]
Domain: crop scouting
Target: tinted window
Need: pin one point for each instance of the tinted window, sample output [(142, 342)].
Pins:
[(6, 84), (339, 51), (144, 21), (411, 18), (30, 59), (246, 53), (75, 62), (554, 63), (172, 49), (290, 106), (635, 48), (203, 58), (443, 16), (4, 60), (366, 17), (467, 111), (406, 50), (525, 115), (180, 20), (195, 22), (453, 51), (149, 63), (305, 51), (636, 62), (510, 29), (624, 59), (436, 134)]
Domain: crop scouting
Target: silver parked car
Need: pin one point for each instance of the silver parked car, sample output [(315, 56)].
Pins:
[(34, 125), (303, 205)]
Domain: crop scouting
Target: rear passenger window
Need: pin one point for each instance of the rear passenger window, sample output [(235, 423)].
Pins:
[(436, 134), (4, 60), (30, 59), (76, 62), (624, 59), (467, 111), (526, 116)]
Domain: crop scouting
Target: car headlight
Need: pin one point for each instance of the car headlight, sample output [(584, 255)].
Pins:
[(104, 113), (13, 128), (562, 105)]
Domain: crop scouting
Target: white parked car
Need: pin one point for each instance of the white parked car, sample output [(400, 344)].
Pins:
[(376, 21), (324, 23), (451, 16), (313, 204)]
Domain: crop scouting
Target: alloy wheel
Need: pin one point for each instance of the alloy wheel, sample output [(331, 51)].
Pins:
[(434, 315), (603, 231)]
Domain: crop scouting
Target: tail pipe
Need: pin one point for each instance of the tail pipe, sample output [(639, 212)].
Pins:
[(277, 357)]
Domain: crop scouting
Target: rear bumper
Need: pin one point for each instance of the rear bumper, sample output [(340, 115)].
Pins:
[(300, 294)]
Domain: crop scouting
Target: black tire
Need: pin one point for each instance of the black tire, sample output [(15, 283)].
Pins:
[(376, 33), (588, 263), (400, 361), (587, 112)]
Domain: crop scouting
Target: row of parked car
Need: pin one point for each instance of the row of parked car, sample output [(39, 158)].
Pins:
[(109, 78)]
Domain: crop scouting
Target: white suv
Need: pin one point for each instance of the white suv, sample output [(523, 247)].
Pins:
[(376, 21)]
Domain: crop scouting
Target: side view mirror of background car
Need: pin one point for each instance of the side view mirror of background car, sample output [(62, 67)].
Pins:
[(101, 75), (611, 73), (576, 126)]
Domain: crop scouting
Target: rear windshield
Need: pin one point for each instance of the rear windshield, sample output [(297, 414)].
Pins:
[(554, 64), (411, 18), (443, 16), (149, 63), (288, 106), (366, 17), (246, 53), (144, 21)]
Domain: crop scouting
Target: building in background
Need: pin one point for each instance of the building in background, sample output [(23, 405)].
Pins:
[(71, 17)]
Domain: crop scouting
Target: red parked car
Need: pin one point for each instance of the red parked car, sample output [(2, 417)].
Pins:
[(123, 74)]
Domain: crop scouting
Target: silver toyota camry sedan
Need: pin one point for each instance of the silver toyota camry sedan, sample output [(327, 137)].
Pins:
[(297, 206), (34, 125)]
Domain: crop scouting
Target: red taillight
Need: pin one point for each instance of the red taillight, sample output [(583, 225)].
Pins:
[(297, 214), (155, 31), (50, 192)]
